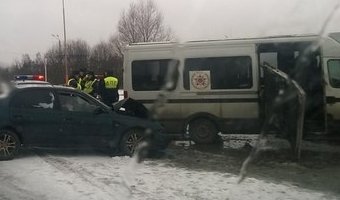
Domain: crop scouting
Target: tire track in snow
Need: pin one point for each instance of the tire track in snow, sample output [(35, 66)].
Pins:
[(87, 179), (10, 190)]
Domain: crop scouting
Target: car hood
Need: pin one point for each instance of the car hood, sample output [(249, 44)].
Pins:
[(131, 107)]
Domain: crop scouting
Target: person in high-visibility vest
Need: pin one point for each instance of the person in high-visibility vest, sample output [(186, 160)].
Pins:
[(90, 84), (81, 79), (109, 89), (73, 80)]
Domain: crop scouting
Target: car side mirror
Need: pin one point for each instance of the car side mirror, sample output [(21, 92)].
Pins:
[(99, 111)]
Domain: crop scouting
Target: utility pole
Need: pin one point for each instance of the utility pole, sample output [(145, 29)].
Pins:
[(45, 68), (65, 46)]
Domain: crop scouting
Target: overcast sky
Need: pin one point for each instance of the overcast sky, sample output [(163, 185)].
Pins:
[(27, 25)]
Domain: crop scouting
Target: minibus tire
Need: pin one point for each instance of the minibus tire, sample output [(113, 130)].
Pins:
[(202, 131)]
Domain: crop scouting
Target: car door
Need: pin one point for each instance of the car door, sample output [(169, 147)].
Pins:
[(33, 113), (89, 123)]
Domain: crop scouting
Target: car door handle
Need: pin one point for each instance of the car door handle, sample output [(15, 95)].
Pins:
[(18, 117), (115, 124), (67, 119)]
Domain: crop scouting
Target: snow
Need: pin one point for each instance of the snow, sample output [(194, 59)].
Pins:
[(189, 173)]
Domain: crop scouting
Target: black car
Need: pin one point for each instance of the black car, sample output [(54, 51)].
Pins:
[(57, 116)]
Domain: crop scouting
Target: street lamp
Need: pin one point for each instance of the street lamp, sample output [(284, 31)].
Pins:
[(60, 57), (56, 36)]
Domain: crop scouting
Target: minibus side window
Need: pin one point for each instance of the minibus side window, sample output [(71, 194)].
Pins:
[(150, 75), (226, 72), (334, 73)]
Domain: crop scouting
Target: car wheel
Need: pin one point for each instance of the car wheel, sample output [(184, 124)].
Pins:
[(131, 140), (9, 144), (203, 131)]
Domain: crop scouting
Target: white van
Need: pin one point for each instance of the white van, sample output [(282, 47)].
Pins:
[(220, 84)]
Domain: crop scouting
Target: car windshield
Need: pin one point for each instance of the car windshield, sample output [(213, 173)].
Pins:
[(159, 99), (98, 102)]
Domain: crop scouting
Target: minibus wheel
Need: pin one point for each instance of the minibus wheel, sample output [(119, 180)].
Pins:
[(203, 131)]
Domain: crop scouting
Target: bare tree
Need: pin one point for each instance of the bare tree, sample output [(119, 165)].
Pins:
[(5, 73), (78, 57), (142, 22), (117, 45), (38, 63), (55, 69), (100, 57), (104, 58), (78, 54)]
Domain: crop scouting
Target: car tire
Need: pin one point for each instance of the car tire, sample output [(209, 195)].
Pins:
[(203, 131), (130, 141), (9, 144)]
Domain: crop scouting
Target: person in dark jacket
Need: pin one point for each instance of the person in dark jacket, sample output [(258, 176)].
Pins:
[(82, 74), (73, 80)]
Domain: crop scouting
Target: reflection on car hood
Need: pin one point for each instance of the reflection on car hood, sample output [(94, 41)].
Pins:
[(131, 107)]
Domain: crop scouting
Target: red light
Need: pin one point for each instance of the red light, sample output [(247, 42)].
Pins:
[(39, 77)]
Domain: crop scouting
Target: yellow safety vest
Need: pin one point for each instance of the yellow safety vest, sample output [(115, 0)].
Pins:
[(111, 82), (80, 80), (88, 88)]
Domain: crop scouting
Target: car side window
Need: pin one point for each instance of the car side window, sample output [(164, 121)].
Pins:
[(34, 99), (75, 103)]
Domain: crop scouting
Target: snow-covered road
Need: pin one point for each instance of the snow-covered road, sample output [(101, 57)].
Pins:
[(183, 174)]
